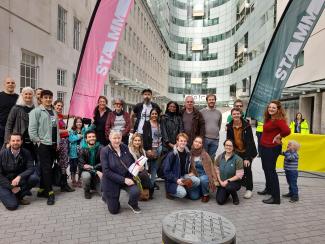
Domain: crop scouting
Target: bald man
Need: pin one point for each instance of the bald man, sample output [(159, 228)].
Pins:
[(193, 121), (8, 99)]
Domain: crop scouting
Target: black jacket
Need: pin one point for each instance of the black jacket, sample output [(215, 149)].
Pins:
[(247, 136), (147, 135), (17, 121), (198, 126), (138, 109), (83, 155), (171, 126), (114, 173), (11, 167)]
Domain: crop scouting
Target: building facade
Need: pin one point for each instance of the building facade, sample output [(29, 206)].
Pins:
[(216, 46), (41, 42), (141, 60), (305, 89)]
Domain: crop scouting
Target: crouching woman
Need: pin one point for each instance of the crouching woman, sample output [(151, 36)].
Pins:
[(116, 159)]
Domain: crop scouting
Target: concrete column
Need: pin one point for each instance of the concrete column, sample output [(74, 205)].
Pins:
[(317, 113), (322, 120)]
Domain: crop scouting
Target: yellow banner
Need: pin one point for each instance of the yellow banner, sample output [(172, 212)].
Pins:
[(311, 153)]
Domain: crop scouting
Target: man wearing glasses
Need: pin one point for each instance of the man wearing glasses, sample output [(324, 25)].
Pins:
[(237, 104)]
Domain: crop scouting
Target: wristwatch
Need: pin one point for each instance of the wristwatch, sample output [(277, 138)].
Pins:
[(228, 181)]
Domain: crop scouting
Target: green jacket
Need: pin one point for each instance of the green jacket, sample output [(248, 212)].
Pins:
[(304, 128), (40, 127)]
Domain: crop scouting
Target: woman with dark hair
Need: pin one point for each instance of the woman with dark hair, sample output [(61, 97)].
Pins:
[(118, 120), (171, 125), (63, 150), (299, 125), (229, 168), (152, 143), (240, 132), (100, 117), (275, 127)]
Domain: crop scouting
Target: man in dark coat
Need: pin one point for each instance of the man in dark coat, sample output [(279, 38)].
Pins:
[(17, 173)]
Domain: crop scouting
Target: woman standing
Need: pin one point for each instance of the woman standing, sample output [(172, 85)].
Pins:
[(118, 120), (18, 119), (229, 168), (240, 132), (275, 127), (299, 125), (116, 159), (152, 143), (63, 151), (171, 126), (100, 117), (136, 149), (202, 167)]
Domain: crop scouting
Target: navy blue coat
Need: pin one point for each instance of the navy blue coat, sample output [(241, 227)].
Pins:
[(172, 169), (114, 173)]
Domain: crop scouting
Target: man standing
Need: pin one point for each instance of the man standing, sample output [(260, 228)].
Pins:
[(141, 111), (8, 99), (89, 164), (17, 173), (193, 121), (239, 105), (213, 119), (44, 131)]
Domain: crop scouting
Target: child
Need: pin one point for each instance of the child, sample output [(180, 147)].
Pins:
[(291, 169), (76, 139)]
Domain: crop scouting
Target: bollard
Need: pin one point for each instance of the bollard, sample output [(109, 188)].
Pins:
[(197, 226)]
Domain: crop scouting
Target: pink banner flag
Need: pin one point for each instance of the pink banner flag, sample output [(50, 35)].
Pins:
[(101, 41)]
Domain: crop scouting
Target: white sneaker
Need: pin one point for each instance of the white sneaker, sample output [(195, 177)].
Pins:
[(248, 194)]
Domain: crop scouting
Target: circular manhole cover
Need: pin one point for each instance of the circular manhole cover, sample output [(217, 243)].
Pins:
[(196, 226)]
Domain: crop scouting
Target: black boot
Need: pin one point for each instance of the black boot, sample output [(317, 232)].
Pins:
[(64, 184)]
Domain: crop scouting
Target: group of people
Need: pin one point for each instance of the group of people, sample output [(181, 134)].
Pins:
[(180, 146)]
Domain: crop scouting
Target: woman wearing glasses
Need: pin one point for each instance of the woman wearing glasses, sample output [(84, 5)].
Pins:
[(118, 120)]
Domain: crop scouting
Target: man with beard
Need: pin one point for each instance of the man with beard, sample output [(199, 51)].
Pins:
[(89, 164), (141, 111), (213, 120), (8, 99), (17, 173)]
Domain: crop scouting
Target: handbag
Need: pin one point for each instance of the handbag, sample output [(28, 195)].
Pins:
[(152, 154)]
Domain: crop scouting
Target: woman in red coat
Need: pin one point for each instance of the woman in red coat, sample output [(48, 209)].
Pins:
[(275, 127)]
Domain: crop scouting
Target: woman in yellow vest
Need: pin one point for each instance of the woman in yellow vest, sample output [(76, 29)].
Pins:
[(299, 125)]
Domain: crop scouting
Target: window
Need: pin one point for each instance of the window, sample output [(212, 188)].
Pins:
[(105, 89), (74, 79), (62, 23), (28, 70), (300, 59), (61, 96), (232, 90), (76, 33), (61, 77)]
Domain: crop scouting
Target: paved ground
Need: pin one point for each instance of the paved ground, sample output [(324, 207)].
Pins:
[(76, 220)]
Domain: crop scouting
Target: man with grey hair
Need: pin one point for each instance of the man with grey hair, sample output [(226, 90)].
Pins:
[(8, 99), (193, 121)]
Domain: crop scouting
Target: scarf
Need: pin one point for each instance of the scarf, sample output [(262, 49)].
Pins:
[(196, 152), (92, 152)]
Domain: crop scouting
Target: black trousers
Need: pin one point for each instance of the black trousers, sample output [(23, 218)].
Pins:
[(247, 179), (113, 203), (224, 192), (46, 155), (269, 155), (259, 136)]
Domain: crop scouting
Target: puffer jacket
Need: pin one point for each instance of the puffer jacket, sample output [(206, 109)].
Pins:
[(171, 126)]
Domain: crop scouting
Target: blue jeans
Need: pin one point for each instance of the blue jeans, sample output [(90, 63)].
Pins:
[(203, 189), (292, 177), (153, 165), (211, 146), (181, 191)]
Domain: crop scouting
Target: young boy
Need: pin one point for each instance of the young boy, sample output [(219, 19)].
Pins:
[(291, 169)]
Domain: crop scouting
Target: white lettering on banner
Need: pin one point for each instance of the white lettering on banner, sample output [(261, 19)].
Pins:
[(299, 35), (113, 35)]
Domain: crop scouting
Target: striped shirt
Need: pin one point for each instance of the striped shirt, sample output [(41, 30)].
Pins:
[(290, 160)]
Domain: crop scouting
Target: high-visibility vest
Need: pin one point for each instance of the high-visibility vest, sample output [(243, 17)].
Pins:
[(259, 127), (304, 128)]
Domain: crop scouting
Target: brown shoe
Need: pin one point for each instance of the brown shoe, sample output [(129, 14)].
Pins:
[(24, 202), (205, 198), (188, 183), (170, 197)]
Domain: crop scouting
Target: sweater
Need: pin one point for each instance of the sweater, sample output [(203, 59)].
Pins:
[(272, 128), (290, 160), (213, 120)]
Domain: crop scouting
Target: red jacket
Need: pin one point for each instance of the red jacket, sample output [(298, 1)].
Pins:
[(272, 128), (110, 123)]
